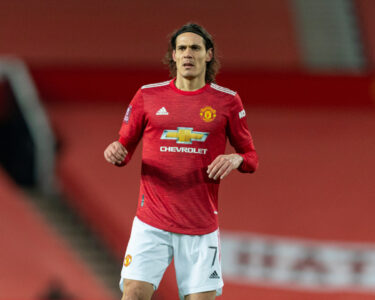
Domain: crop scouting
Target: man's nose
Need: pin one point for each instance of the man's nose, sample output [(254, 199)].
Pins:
[(187, 52)]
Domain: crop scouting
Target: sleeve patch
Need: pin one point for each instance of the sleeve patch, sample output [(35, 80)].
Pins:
[(127, 115), (242, 114)]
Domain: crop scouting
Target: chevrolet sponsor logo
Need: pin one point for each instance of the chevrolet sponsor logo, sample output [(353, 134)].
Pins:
[(183, 150), (184, 135)]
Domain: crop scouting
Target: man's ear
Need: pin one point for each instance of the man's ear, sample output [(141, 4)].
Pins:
[(209, 55), (174, 55)]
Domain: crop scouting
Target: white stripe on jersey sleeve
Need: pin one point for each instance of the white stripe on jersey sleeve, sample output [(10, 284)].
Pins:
[(223, 89), (147, 86)]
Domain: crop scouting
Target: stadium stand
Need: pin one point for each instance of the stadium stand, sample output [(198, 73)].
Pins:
[(90, 32), (34, 262)]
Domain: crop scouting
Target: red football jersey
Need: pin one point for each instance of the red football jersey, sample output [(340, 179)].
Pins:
[(183, 132)]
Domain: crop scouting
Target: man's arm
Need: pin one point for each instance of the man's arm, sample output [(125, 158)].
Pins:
[(120, 152), (246, 158)]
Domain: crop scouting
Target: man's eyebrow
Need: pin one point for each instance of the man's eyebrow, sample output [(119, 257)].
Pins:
[(192, 45)]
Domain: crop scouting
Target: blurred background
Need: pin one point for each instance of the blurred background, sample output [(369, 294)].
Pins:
[(301, 227)]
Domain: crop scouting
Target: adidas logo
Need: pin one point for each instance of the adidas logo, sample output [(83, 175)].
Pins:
[(214, 275), (162, 112)]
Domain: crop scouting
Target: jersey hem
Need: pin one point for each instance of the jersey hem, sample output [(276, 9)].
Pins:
[(179, 230)]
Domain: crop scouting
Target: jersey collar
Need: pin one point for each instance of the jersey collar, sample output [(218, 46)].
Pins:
[(196, 92)]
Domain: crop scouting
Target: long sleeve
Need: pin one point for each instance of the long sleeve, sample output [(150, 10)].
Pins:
[(132, 126), (240, 137)]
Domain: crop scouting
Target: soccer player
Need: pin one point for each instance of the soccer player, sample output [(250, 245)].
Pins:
[(184, 123)]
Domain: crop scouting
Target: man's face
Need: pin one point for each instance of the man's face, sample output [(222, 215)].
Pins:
[(191, 56)]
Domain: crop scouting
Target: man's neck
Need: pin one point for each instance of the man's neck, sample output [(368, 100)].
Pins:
[(185, 84)]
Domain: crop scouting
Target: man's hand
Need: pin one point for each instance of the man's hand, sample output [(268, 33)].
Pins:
[(223, 165), (115, 153)]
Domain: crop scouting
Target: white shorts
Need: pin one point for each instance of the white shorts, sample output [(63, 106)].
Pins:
[(196, 258)]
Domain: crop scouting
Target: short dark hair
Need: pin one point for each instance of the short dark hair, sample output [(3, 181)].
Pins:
[(212, 67)]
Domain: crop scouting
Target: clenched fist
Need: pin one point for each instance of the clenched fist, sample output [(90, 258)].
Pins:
[(115, 153)]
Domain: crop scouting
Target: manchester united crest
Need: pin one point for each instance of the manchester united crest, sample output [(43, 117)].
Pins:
[(208, 114), (127, 260)]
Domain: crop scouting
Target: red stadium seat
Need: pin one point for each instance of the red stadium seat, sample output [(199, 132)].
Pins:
[(34, 261)]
